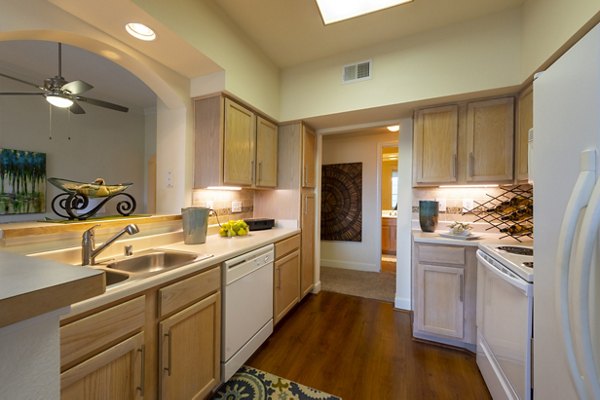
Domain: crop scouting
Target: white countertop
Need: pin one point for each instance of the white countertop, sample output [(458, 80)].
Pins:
[(484, 237), (31, 287), (221, 248)]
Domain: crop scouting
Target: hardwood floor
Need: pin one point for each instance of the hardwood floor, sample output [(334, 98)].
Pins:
[(361, 349)]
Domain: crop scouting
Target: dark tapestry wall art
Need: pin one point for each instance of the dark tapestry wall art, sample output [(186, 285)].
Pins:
[(341, 202), (22, 182)]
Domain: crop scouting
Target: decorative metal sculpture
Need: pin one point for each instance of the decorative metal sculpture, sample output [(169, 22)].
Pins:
[(77, 195)]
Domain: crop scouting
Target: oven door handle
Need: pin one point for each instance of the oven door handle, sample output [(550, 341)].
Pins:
[(520, 284), (580, 196), (582, 265)]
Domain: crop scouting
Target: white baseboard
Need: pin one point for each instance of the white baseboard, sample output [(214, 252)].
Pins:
[(316, 288), (402, 303), (343, 264)]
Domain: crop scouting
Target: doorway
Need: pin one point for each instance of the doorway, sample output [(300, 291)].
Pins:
[(389, 206)]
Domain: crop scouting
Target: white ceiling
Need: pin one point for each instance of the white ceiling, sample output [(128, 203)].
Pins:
[(294, 34)]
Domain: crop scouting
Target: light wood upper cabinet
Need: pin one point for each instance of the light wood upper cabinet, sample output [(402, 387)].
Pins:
[(266, 153), (490, 138), (238, 147), (435, 147), (309, 149), (524, 123), (234, 146)]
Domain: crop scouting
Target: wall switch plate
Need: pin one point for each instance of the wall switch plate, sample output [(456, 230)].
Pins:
[(442, 203), (467, 205), (236, 206)]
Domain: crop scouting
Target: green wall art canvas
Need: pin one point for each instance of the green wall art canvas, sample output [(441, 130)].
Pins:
[(22, 182)]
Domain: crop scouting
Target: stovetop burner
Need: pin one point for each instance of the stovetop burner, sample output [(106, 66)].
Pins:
[(524, 251), (528, 264)]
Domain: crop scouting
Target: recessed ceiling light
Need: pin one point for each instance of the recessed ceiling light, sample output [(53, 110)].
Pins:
[(140, 31), (337, 10), (393, 128)]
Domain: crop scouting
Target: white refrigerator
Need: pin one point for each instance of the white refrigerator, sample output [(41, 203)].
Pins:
[(566, 168)]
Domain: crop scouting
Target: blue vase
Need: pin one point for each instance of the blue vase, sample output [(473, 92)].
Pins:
[(428, 215)]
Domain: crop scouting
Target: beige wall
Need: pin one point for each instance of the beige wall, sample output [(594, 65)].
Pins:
[(249, 74), (473, 56), (357, 147)]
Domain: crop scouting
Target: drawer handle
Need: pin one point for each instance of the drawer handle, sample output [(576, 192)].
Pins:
[(169, 344), (142, 350)]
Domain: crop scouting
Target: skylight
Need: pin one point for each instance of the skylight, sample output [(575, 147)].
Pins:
[(339, 10)]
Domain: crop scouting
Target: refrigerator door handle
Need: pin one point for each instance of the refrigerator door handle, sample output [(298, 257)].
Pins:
[(579, 199), (581, 270)]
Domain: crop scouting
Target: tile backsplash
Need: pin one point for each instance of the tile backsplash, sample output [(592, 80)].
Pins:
[(221, 202), (454, 198)]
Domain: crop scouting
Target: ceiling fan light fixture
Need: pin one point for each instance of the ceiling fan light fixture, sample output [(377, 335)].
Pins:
[(336, 10), (140, 31), (59, 101)]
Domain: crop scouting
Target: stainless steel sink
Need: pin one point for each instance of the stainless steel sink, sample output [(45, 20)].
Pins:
[(113, 277), (151, 261)]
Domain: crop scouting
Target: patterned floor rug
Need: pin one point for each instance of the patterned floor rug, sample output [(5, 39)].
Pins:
[(253, 384)]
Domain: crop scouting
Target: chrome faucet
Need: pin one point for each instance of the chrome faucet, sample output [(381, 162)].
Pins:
[(89, 252)]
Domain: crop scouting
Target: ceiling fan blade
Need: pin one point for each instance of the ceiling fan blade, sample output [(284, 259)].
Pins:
[(22, 81), (76, 108), (102, 103), (21, 94), (77, 87)]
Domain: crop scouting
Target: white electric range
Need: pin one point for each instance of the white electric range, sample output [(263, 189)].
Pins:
[(505, 319)]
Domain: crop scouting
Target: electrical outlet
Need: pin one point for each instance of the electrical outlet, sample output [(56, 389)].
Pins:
[(210, 204), (169, 180), (236, 206), (442, 203), (467, 205)]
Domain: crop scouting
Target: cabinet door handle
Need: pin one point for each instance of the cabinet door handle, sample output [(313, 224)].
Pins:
[(462, 288), (304, 176), (142, 350), (169, 344), (471, 164), (260, 171), (305, 205), (278, 277), (252, 168), (454, 160)]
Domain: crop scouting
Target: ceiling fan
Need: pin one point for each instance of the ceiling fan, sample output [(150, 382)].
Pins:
[(61, 93)]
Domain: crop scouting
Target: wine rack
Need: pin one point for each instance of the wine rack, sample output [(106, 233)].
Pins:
[(511, 212)]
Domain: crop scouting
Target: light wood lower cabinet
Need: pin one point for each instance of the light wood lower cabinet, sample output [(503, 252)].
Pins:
[(117, 374), (444, 293), (287, 276), (92, 365), (190, 350), (388, 235), (165, 343)]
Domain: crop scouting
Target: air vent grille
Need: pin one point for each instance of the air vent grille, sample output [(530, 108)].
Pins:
[(357, 71)]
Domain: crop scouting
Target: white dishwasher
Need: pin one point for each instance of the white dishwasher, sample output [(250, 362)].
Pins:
[(247, 307)]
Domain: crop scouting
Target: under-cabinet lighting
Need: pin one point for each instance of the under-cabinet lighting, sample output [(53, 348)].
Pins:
[(140, 31), (466, 186), (336, 10), (393, 128), (224, 188), (59, 101)]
